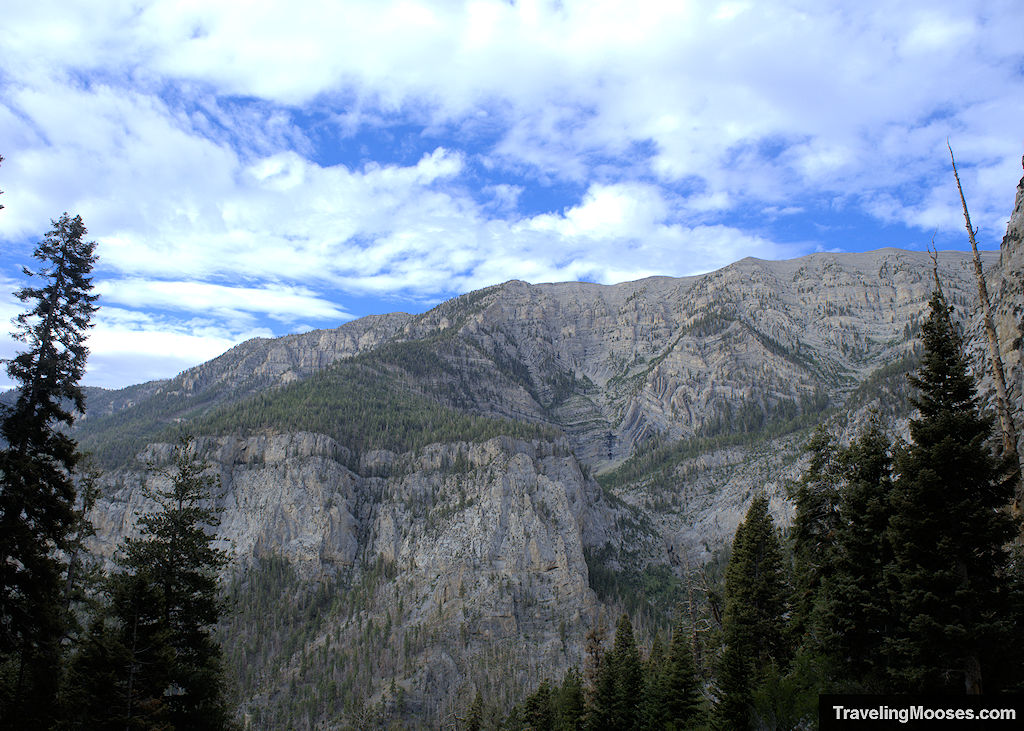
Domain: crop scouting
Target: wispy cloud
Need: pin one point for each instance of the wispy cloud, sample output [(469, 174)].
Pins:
[(268, 166)]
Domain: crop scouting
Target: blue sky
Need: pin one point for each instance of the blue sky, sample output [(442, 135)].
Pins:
[(256, 169)]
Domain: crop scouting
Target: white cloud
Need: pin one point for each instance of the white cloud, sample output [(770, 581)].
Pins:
[(286, 303), (180, 131), (130, 346)]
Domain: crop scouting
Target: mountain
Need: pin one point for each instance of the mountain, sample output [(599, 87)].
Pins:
[(423, 506)]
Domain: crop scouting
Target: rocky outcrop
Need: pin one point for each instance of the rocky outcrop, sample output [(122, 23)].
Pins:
[(479, 546), (1009, 310), (463, 565)]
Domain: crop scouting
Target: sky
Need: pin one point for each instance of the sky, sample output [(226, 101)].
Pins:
[(253, 169)]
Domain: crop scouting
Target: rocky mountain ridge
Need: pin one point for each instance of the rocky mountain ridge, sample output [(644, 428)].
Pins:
[(403, 575)]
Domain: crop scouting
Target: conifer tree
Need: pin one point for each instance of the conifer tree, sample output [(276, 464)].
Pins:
[(948, 531), (156, 626), (600, 682), (37, 492), (683, 702), (122, 670), (475, 716), (855, 613), (175, 552), (654, 708), (816, 498), (569, 706), (626, 677), (755, 605), (538, 709), (732, 711)]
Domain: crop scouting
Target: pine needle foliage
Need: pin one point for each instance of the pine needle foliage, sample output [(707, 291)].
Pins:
[(949, 531), (37, 491), (756, 602)]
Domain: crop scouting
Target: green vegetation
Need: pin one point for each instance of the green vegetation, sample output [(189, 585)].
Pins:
[(651, 592), (948, 532), (37, 489), (153, 634), (113, 440), (756, 604), (655, 462), (621, 691), (888, 387), (363, 409)]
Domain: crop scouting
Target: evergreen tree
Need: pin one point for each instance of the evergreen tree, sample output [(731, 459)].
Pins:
[(732, 712), (755, 606), (569, 705), (625, 678), (175, 552), (654, 708), (684, 703), (37, 492), (119, 677), (948, 531), (816, 498), (157, 623), (600, 681), (475, 717), (855, 614), (538, 710)]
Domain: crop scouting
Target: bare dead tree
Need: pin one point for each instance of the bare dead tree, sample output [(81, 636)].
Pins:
[(1006, 425)]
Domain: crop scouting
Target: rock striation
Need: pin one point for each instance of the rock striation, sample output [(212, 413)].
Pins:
[(407, 578)]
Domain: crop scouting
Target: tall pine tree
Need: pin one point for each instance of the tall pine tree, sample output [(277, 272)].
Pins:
[(753, 622), (855, 616), (816, 498), (569, 702), (628, 677), (948, 531), (684, 702), (176, 553), (158, 620), (37, 492)]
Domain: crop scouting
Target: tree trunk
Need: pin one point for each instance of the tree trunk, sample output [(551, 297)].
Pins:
[(1006, 426)]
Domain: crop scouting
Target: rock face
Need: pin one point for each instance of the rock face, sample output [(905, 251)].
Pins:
[(472, 555), (469, 564), (1010, 300)]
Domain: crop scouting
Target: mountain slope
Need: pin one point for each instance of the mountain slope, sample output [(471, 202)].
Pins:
[(410, 499)]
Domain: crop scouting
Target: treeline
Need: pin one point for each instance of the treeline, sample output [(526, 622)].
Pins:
[(81, 648), (363, 409), (897, 576), (619, 689), (656, 461)]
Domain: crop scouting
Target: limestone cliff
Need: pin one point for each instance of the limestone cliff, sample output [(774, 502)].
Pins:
[(406, 573), (472, 555), (1009, 311)]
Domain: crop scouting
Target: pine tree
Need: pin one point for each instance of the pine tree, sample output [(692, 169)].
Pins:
[(569, 704), (948, 531), (625, 678), (755, 606), (734, 681), (38, 493), (654, 708), (855, 613), (538, 709), (600, 682), (175, 554), (683, 702), (816, 498), (120, 674), (475, 715)]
